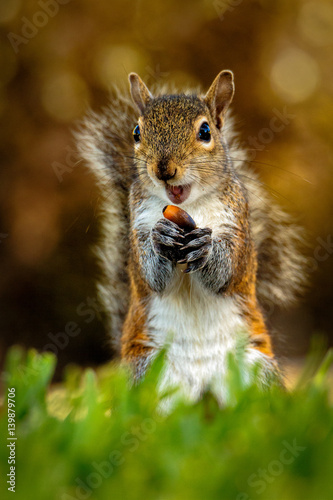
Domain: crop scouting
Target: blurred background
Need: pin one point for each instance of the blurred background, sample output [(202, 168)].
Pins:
[(60, 57)]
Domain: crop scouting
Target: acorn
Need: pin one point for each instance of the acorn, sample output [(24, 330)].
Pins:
[(179, 217)]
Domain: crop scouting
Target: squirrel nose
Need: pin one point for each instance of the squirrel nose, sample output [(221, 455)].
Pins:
[(167, 176), (165, 171)]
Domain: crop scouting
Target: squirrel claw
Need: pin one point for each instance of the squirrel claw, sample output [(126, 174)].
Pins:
[(195, 266), (198, 242)]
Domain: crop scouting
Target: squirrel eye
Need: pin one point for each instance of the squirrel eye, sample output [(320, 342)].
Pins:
[(204, 132), (136, 134)]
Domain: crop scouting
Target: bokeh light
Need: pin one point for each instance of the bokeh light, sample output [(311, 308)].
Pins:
[(65, 95), (295, 75), (112, 63)]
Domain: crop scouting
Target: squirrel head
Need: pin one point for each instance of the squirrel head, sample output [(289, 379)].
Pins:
[(179, 151)]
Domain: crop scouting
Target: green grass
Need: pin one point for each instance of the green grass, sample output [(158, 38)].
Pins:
[(95, 437)]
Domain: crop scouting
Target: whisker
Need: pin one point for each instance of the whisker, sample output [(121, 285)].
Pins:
[(272, 165), (275, 193)]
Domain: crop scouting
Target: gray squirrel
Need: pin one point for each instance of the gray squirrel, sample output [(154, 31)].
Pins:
[(198, 290)]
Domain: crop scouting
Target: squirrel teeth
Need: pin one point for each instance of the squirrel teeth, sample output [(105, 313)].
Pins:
[(178, 194)]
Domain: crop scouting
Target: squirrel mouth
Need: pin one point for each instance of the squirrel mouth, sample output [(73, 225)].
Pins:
[(178, 194)]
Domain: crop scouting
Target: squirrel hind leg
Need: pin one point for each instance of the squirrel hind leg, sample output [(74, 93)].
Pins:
[(136, 346)]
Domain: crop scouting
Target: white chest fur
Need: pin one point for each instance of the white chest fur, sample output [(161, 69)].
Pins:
[(200, 331), (199, 327)]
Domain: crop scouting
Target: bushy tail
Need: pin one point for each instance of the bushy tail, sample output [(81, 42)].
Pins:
[(105, 143)]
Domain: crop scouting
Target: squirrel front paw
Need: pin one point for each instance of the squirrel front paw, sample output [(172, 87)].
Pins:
[(167, 239), (197, 248)]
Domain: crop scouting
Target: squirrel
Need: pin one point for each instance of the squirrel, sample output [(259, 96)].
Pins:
[(202, 290)]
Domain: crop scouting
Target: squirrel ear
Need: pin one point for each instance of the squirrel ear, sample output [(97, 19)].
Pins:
[(220, 95), (140, 93)]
